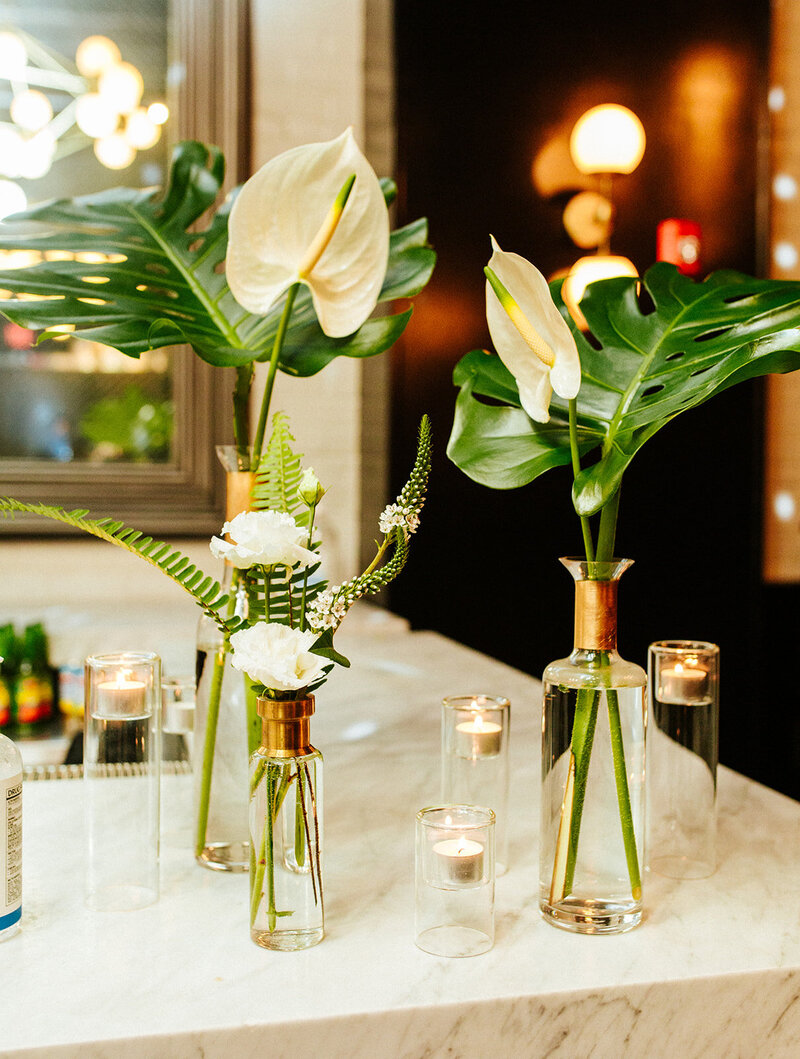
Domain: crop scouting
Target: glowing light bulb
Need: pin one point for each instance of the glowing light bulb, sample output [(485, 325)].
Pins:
[(95, 54), (140, 131), (94, 116), (12, 198), (158, 113), (607, 139), (114, 151), (588, 270), (121, 86), (11, 144), (13, 56), (785, 255), (31, 110)]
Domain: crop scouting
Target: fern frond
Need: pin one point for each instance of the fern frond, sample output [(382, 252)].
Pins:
[(279, 473), (206, 592)]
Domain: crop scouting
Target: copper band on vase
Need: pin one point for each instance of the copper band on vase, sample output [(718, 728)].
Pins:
[(596, 615), (286, 725)]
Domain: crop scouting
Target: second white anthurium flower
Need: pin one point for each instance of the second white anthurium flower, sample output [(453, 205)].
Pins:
[(263, 538), (277, 656), (302, 218), (529, 333)]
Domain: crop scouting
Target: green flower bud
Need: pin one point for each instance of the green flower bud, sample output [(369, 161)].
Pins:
[(310, 490)]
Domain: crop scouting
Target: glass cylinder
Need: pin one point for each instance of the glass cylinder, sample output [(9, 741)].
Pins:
[(682, 758), (121, 768), (475, 733), (455, 873), (593, 768), (225, 724), (177, 718), (286, 896)]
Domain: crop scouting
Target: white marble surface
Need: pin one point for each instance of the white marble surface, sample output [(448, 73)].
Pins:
[(714, 970)]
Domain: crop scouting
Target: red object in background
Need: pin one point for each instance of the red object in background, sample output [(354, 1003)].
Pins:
[(679, 241), (16, 337)]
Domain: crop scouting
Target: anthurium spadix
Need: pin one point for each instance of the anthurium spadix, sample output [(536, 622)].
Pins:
[(529, 333), (304, 218)]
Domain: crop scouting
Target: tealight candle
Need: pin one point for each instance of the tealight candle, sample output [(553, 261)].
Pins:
[(683, 683), (121, 697), (478, 737), (460, 861)]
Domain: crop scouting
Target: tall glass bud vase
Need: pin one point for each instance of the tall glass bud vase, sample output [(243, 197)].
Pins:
[(221, 714), (286, 902), (593, 768)]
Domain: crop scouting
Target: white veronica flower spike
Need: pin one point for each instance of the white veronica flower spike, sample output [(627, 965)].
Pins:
[(301, 217), (529, 333)]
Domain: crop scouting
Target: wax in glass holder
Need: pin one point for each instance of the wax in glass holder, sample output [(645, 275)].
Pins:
[(683, 677), (475, 733), (121, 769), (455, 874)]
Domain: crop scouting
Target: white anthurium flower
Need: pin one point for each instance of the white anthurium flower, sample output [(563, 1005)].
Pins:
[(276, 656), (263, 538), (302, 218), (530, 335)]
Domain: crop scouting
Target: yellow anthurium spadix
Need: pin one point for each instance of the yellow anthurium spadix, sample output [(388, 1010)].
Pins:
[(315, 215), (529, 333)]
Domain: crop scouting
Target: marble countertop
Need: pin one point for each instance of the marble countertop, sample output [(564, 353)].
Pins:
[(714, 970)]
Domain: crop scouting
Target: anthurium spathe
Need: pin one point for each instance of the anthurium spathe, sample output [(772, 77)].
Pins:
[(302, 218), (529, 333)]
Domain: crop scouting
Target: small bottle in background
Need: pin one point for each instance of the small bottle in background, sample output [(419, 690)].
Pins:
[(10, 837), (33, 689), (7, 651)]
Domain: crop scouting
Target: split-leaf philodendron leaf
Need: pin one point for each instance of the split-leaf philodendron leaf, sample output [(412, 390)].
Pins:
[(162, 282), (647, 363)]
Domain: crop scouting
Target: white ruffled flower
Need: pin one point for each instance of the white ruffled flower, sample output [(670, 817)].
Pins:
[(530, 335), (288, 224), (276, 656), (396, 515), (263, 538)]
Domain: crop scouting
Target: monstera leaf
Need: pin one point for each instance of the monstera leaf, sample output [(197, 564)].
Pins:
[(161, 282), (650, 354)]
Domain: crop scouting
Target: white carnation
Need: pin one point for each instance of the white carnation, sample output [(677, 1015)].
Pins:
[(263, 538), (276, 656)]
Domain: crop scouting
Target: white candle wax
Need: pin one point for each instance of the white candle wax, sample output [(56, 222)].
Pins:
[(478, 738), (683, 683), (460, 861), (121, 697)]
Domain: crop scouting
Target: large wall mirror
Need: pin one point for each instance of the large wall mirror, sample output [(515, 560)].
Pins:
[(82, 424)]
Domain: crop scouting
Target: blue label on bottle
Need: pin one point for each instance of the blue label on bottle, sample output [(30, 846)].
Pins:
[(11, 918)]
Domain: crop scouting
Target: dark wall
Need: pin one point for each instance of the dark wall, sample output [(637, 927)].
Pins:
[(481, 89)]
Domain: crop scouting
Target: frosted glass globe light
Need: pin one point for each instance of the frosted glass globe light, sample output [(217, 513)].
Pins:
[(31, 110), (94, 116), (121, 86), (95, 54), (12, 198), (158, 113), (607, 139), (114, 151), (36, 155), (11, 143), (140, 131), (587, 270), (13, 55)]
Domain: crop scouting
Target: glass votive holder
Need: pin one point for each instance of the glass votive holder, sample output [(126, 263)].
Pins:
[(121, 770), (455, 874), (682, 756), (475, 733), (177, 718)]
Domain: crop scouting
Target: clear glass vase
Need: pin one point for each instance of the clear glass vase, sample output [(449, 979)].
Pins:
[(224, 714), (593, 768), (286, 899)]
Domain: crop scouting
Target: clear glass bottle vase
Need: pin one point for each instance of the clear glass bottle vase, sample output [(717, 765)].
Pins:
[(593, 768), (224, 714), (286, 898)]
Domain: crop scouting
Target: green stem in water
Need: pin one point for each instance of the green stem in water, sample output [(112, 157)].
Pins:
[(209, 742), (280, 334), (576, 470), (623, 794), (583, 730)]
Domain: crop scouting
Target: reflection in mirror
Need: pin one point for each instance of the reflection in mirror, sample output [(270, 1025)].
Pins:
[(82, 107)]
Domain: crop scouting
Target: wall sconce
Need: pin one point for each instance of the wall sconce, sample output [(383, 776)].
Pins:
[(587, 270)]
